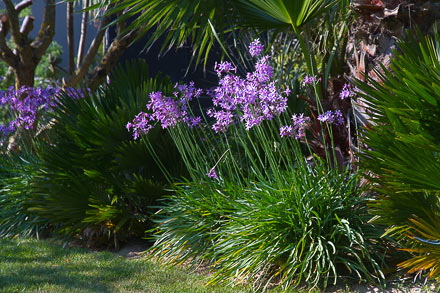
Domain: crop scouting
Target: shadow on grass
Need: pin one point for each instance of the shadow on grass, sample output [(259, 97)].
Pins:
[(31, 264), (44, 266)]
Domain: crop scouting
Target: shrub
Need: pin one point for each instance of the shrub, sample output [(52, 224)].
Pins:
[(17, 174), (405, 142), (256, 207), (92, 180), (314, 229)]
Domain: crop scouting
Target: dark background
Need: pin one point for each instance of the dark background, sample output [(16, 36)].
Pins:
[(173, 64)]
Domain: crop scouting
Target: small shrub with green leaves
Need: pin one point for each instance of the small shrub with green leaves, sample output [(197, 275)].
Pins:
[(91, 179), (404, 143), (17, 174)]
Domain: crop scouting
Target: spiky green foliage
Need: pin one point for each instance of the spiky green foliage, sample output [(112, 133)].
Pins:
[(405, 143), (17, 173), (176, 20), (205, 21), (94, 175), (314, 229)]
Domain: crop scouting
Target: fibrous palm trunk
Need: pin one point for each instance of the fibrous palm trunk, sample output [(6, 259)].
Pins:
[(374, 34)]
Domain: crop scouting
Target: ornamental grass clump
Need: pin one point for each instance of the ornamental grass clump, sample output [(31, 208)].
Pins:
[(312, 231), (259, 206)]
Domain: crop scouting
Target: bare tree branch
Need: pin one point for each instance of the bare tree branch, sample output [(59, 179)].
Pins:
[(70, 37), (6, 53), (82, 38), (27, 25), (22, 5), (81, 71), (4, 29), (47, 30), (15, 24), (116, 49)]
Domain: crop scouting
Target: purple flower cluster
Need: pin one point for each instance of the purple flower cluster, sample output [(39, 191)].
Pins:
[(347, 92), (309, 80), (141, 124), (167, 111), (26, 103), (224, 67), (332, 117), (7, 130), (212, 173), (250, 100), (255, 48), (298, 127)]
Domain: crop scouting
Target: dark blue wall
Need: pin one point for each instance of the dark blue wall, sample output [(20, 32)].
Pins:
[(174, 63)]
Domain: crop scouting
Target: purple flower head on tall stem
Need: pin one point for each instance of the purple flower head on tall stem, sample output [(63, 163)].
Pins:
[(255, 48), (326, 117), (250, 100), (335, 117), (27, 103), (347, 92), (140, 125), (299, 123), (224, 67), (298, 127), (212, 173), (286, 130), (309, 80), (339, 118), (168, 111)]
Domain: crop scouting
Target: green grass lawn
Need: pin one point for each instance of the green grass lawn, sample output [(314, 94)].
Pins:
[(45, 266), (33, 265)]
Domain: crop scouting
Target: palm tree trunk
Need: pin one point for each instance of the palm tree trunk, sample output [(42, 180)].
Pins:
[(374, 34)]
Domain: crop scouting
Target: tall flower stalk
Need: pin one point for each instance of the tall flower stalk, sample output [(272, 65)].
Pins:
[(259, 203), (247, 133)]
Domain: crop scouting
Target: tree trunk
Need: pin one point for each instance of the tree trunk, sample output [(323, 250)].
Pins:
[(24, 75), (111, 57), (70, 37), (82, 39)]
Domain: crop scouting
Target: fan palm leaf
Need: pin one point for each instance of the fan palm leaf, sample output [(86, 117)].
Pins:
[(283, 13)]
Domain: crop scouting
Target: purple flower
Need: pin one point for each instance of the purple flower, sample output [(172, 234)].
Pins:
[(167, 111), (339, 118), (298, 127), (141, 124), (27, 103), (309, 80), (192, 122), (346, 92), (251, 100), (330, 117), (223, 120), (299, 122), (212, 173), (263, 71), (286, 131), (255, 48), (224, 67), (326, 117)]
